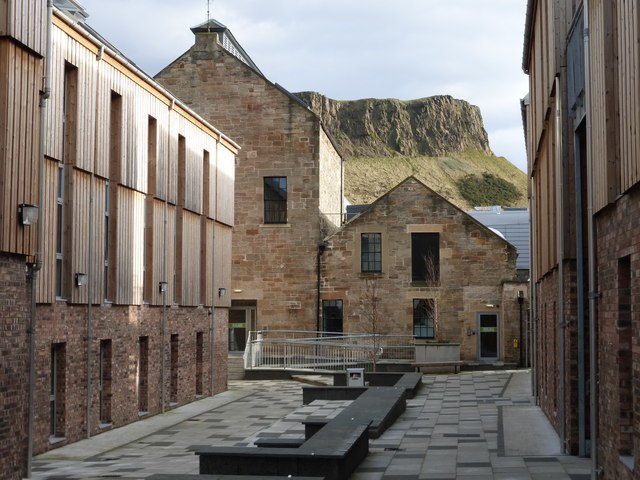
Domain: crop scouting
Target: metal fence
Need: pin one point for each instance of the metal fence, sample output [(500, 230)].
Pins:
[(324, 351)]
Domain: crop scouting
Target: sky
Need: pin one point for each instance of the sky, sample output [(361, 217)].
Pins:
[(351, 49)]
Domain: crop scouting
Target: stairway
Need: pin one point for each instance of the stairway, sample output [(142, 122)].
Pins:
[(235, 366)]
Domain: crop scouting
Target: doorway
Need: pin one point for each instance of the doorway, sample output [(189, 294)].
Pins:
[(242, 320), (488, 337)]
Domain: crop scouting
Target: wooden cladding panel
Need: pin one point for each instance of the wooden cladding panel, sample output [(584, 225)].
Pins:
[(628, 54), (169, 250), (222, 264), (191, 258), (225, 183), (46, 279), (159, 252), (19, 117), (25, 21), (208, 261), (130, 247)]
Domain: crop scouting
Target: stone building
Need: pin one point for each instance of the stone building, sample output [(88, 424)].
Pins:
[(436, 273), (118, 204), (289, 181), (583, 140)]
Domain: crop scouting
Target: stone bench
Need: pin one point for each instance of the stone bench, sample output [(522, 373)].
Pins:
[(334, 453), (411, 382), (456, 364)]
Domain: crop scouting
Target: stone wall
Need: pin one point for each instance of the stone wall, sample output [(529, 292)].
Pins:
[(123, 325), (474, 265), (274, 264), (14, 373)]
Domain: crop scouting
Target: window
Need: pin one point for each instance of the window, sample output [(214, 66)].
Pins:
[(173, 384), (143, 374), (60, 233), (332, 316), (111, 195), (625, 359), (57, 390), (423, 318), (275, 199), (105, 382), (425, 257), (371, 252), (199, 361), (107, 207)]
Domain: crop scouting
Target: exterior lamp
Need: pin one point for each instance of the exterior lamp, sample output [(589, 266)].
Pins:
[(28, 214), (162, 286), (222, 292), (81, 279)]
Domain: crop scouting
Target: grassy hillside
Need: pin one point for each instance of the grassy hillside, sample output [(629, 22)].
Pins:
[(466, 179)]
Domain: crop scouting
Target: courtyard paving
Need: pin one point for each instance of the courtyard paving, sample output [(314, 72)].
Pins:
[(473, 425)]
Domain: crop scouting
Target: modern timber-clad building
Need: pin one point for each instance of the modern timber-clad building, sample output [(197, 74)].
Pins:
[(583, 144), (131, 250), (289, 181)]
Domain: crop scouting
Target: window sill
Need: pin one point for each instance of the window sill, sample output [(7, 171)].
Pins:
[(371, 274), (173, 404), (627, 461), (105, 426), (275, 225), (53, 440), (425, 284), (143, 414)]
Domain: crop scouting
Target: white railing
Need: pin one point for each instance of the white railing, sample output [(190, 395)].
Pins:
[(323, 351)]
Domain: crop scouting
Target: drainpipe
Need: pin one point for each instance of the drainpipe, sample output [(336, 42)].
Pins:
[(593, 381), (32, 275), (212, 312), (560, 249)]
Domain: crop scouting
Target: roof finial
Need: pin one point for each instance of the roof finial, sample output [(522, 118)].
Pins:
[(208, 15)]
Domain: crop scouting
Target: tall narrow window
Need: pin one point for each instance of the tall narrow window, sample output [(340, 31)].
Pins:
[(107, 208), (57, 411), (425, 257), (332, 316), (115, 177), (205, 258), (625, 358), (199, 361), (371, 252), (173, 387), (423, 318), (60, 233), (143, 374), (152, 157), (105, 382), (70, 106), (275, 199), (177, 270)]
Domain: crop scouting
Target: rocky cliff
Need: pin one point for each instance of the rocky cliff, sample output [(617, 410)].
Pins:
[(431, 126), (440, 140)]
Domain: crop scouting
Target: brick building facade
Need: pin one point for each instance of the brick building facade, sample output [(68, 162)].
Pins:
[(289, 181), (129, 256), (582, 142), (467, 294)]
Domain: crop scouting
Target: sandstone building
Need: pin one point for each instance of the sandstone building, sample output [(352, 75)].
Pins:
[(289, 181), (128, 183), (437, 275), (582, 128)]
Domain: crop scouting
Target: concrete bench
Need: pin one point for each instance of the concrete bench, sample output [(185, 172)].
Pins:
[(411, 382), (277, 442), (456, 364), (333, 453)]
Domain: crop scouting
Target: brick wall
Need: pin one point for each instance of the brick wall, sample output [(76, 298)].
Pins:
[(66, 325), (272, 264), (474, 264), (14, 372), (618, 236)]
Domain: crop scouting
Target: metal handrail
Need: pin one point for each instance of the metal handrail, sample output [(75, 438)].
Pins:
[(324, 351)]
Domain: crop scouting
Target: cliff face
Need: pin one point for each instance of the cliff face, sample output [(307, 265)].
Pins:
[(432, 126)]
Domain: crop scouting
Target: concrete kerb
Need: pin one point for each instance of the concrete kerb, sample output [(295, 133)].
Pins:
[(118, 437)]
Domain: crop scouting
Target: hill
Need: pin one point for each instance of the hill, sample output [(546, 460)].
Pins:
[(440, 140)]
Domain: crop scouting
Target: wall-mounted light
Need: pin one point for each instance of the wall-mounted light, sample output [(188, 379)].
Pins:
[(222, 292), (162, 287), (492, 305), (27, 214), (81, 279), (520, 296)]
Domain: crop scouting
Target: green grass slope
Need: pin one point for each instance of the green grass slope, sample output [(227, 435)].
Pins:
[(467, 179)]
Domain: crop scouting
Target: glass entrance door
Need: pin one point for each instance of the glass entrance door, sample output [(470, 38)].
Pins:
[(242, 320), (488, 337)]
